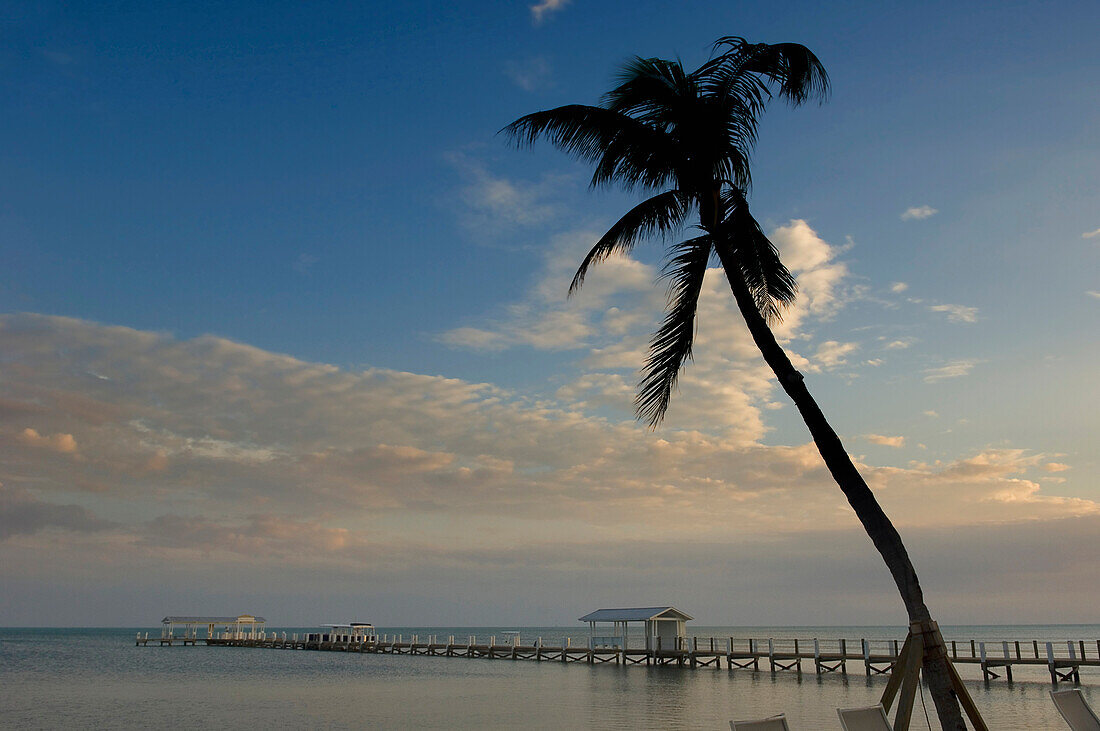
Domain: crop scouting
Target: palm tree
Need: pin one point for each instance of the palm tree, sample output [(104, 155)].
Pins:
[(687, 137)]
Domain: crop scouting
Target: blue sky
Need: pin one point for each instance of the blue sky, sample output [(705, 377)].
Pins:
[(325, 182)]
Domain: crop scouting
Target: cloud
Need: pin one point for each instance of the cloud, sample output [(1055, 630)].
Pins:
[(262, 467), (820, 276), (544, 8), (494, 204), (23, 514), (1055, 467), (900, 344), (953, 369), (831, 354), (957, 313), (529, 75), (898, 287), (885, 441), (610, 322), (61, 443), (304, 262), (1093, 293), (916, 213), (1091, 234)]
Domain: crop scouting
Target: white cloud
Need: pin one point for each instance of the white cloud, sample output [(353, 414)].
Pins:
[(1093, 293), (304, 262), (612, 318), (953, 369), (1091, 234), (494, 204), (957, 313), (543, 8), (530, 74), (831, 354), (898, 287), (214, 454), (916, 213), (900, 344), (931, 413), (820, 277), (886, 441)]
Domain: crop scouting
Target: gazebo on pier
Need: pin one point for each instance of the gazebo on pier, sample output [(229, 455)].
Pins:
[(243, 626), (663, 627)]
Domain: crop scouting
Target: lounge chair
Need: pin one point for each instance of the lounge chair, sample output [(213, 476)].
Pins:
[(772, 723), (1075, 709), (869, 718)]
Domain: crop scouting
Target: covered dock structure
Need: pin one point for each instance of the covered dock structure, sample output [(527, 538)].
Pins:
[(354, 632), (241, 627), (663, 628)]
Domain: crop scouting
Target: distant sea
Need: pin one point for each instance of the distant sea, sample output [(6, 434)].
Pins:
[(97, 678)]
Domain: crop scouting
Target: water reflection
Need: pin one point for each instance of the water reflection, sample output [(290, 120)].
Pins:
[(98, 678)]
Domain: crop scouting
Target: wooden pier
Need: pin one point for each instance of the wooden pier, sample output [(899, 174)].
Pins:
[(1063, 659)]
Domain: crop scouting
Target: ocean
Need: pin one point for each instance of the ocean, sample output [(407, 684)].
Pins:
[(97, 678)]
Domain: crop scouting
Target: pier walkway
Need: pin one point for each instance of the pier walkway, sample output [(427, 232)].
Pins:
[(1062, 659)]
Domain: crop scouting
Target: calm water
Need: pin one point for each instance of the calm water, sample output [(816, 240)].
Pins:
[(97, 678)]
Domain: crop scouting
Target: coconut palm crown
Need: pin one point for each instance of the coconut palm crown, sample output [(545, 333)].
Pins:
[(685, 139), (690, 136)]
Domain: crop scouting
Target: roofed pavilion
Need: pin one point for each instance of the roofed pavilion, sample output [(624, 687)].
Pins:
[(666, 624), (243, 626)]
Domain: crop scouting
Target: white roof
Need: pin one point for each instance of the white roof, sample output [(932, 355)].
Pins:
[(635, 614), (243, 618), (347, 625)]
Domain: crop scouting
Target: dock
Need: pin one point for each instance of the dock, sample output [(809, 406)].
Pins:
[(1063, 659), (663, 641)]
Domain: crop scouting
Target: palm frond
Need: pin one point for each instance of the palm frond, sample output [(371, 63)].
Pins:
[(651, 89), (624, 149), (758, 264), (798, 73), (671, 344), (663, 213)]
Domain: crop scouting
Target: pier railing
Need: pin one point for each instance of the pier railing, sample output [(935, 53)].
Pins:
[(996, 658)]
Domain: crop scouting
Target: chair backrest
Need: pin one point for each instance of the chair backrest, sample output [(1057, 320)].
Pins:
[(774, 723), (869, 718), (1075, 709)]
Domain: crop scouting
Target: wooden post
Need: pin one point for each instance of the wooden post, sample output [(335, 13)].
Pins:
[(924, 641), (910, 679), (866, 657)]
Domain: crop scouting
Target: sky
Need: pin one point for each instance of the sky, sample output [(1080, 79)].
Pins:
[(284, 326)]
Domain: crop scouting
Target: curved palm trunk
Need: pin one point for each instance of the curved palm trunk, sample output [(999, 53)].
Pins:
[(863, 502)]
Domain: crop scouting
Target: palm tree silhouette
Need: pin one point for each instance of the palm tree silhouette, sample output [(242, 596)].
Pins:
[(689, 136)]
